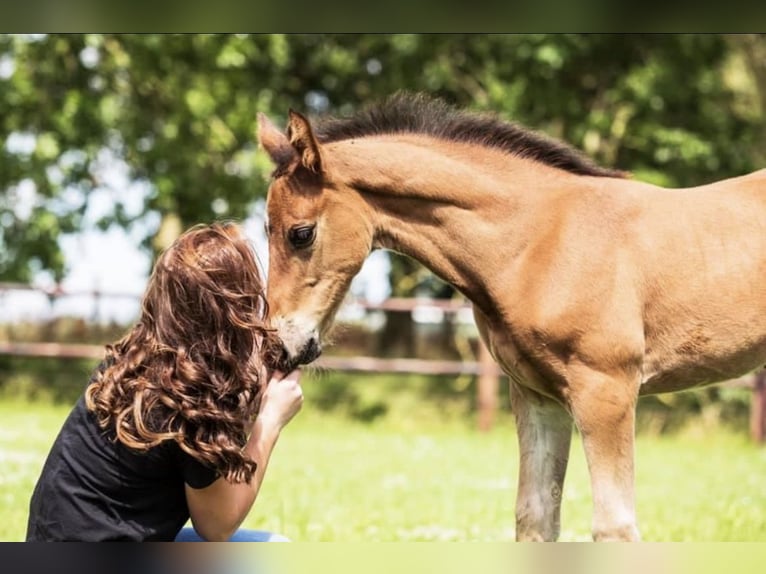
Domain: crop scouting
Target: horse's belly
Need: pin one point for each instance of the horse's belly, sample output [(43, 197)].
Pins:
[(684, 368)]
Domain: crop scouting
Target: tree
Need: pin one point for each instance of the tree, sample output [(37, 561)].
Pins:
[(752, 50), (179, 111)]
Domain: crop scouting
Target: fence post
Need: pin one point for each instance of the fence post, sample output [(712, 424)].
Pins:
[(487, 388), (758, 408)]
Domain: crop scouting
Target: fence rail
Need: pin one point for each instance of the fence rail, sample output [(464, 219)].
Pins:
[(402, 304), (59, 291), (484, 367), (359, 364), (52, 350)]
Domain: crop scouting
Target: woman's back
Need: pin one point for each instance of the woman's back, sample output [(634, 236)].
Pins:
[(95, 488)]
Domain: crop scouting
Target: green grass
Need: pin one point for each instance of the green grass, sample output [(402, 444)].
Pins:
[(418, 477)]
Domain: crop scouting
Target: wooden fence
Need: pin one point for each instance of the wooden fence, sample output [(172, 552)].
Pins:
[(484, 366)]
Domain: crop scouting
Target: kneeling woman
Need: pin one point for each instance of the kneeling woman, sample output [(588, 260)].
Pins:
[(180, 419)]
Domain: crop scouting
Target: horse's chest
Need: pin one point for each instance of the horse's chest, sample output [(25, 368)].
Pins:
[(509, 354)]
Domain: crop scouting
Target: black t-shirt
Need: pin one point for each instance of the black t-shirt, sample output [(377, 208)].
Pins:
[(93, 488)]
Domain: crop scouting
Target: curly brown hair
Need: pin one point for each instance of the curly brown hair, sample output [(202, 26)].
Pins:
[(192, 369)]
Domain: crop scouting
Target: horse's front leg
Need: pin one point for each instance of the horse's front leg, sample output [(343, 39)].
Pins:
[(604, 409), (545, 431)]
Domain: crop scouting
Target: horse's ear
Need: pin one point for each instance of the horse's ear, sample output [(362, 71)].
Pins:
[(302, 137), (274, 142)]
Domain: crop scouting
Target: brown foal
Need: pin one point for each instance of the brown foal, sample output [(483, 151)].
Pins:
[(589, 288)]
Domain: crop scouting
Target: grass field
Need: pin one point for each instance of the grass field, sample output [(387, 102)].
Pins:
[(421, 479)]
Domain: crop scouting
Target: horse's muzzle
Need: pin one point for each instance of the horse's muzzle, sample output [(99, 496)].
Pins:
[(310, 352)]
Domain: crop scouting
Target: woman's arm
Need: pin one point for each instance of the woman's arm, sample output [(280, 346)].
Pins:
[(218, 510)]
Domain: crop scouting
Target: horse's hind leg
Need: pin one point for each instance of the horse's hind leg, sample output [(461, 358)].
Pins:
[(545, 432), (604, 409)]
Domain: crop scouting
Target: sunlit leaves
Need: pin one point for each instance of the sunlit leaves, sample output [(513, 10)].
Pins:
[(180, 111)]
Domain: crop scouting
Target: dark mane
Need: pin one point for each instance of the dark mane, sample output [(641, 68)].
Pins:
[(420, 114)]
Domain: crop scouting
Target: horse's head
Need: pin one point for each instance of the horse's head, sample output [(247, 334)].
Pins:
[(319, 236)]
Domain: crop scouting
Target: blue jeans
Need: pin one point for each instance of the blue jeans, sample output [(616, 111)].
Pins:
[(189, 535)]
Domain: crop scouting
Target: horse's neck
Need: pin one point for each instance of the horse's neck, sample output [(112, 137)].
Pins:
[(456, 208)]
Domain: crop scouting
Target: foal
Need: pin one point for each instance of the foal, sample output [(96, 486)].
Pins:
[(588, 288)]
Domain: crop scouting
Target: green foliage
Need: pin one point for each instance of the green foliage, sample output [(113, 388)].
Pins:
[(180, 111), (51, 380)]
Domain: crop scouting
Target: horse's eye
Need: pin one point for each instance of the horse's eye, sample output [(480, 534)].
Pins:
[(303, 236)]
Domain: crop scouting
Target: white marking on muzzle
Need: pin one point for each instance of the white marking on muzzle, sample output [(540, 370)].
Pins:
[(295, 331)]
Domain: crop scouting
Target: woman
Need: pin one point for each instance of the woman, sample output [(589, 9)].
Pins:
[(179, 420)]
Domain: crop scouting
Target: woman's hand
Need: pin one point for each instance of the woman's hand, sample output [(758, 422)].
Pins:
[(281, 400)]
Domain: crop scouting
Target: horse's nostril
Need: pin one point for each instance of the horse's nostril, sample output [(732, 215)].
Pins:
[(284, 356), (310, 351)]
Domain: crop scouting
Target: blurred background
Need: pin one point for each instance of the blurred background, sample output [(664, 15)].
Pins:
[(114, 144)]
